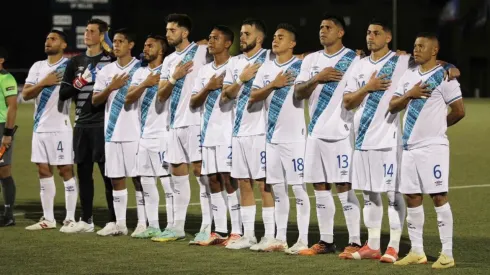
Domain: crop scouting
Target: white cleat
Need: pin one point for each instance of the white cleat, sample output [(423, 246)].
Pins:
[(276, 246), (242, 243), (66, 224), (42, 224), (79, 227), (264, 243), (139, 229), (107, 230), (296, 248)]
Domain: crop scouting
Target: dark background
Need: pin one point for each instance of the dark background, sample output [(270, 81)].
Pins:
[(464, 42)]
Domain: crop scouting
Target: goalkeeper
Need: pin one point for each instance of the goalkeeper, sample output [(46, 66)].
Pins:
[(88, 136)]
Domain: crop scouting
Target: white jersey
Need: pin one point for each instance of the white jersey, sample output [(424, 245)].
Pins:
[(121, 121), (153, 114), (374, 126), (285, 114), (249, 120), (425, 119), (50, 114), (217, 118), (181, 114), (328, 118)]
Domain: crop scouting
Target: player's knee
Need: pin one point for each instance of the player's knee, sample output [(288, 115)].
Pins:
[(137, 184), (44, 171), (180, 170), (321, 186), (414, 200), (343, 187), (65, 172), (439, 199), (214, 184), (246, 186), (196, 169)]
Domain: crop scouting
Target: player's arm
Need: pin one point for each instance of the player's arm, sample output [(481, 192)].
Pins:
[(9, 89), (166, 86), (67, 90), (400, 101), (117, 82), (135, 91), (305, 89), (451, 71), (31, 91), (249, 72), (282, 79), (198, 99), (354, 99), (457, 112)]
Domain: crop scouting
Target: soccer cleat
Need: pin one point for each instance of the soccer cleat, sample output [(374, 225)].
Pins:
[(214, 239), (169, 235), (364, 253), (120, 230), (66, 224), (276, 246), (42, 224), (264, 242), (412, 258), (242, 242), (443, 262), (140, 228), (150, 232), (8, 221), (231, 239), (296, 248), (107, 230), (390, 256), (79, 227), (349, 249), (320, 248), (200, 237)]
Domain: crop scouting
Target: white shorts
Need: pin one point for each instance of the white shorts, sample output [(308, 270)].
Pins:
[(120, 159), (55, 148), (376, 170), (184, 144), (150, 159), (328, 161), (425, 170), (216, 159), (285, 163), (248, 157)]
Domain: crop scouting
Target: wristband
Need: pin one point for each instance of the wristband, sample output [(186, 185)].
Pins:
[(172, 80), (239, 82), (8, 132)]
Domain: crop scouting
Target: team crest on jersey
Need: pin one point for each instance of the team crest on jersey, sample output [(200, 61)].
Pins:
[(81, 68), (361, 76), (315, 70), (343, 64), (405, 86)]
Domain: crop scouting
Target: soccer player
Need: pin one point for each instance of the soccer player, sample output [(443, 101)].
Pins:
[(426, 95), (8, 111), (179, 71), (150, 161), (53, 134), (88, 134), (328, 147), (248, 141), (216, 127), (122, 129), (285, 136)]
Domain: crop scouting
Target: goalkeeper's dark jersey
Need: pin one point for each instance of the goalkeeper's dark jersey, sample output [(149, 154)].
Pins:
[(86, 115)]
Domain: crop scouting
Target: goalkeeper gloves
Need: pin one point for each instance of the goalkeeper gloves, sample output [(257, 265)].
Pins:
[(88, 76)]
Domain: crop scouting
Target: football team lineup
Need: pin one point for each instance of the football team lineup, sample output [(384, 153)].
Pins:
[(333, 123)]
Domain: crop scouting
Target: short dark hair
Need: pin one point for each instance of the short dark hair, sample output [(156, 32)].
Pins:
[(383, 24), (259, 24), (61, 34), (429, 35), (182, 20), (288, 27), (337, 20), (161, 39), (103, 26), (227, 32), (130, 36), (3, 53)]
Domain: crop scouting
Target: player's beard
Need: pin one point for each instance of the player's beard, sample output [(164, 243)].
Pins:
[(175, 42), (51, 51), (248, 47), (150, 58)]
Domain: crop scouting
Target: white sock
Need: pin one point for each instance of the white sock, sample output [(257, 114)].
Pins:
[(415, 224), (152, 200), (169, 199), (120, 206), (373, 217), (281, 209), (352, 214), (445, 224), (219, 213), (204, 196), (302, 211), (325, 212), (397, 212), (71, 197), (269, 222), (140, 207), (234, 209), (48, 191), (182, 196), (248, 218)]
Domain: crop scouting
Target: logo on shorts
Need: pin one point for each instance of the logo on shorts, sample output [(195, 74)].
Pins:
[(344, 173), (388, 181), (320, 206), (61, 157), (438, 183), (346, 127)]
